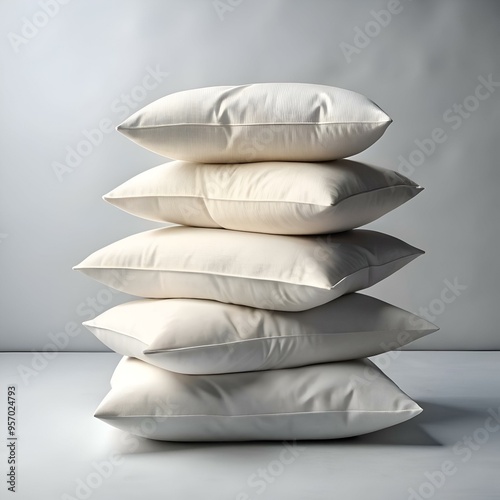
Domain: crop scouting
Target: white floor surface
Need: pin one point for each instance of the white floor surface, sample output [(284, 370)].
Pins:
[(450, 451)]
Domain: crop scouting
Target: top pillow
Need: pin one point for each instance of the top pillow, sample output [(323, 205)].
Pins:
[(258, 122)]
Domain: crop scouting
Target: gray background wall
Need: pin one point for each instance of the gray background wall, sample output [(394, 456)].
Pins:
[(82, 66)]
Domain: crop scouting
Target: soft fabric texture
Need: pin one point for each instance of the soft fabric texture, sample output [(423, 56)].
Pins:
[(206, 337), (326, 401), (267, 197), (258, 122), (288, 273)]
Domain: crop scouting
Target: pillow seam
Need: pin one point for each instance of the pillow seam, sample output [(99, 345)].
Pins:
[(259, 414), (205, 198), (330, 287), (166, 125), (264, 339)]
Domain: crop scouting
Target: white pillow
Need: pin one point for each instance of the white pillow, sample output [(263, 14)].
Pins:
[(202, 336), (266, 197), (325, 401), (288, 273), (258, 122)]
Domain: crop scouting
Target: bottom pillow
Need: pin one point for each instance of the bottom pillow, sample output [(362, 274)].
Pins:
[(325, 401)]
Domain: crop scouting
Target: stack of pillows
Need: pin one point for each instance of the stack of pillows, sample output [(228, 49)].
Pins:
[(248, 327)]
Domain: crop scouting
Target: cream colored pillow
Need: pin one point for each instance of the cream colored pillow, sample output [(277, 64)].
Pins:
[(203, 336), (258, 122), (288, 273), (326, 401), (266, 197)]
